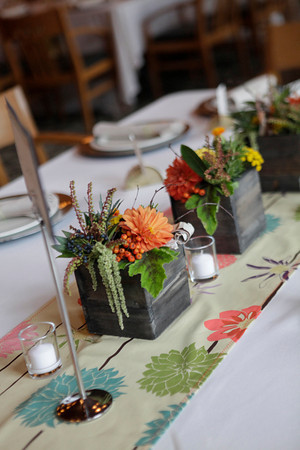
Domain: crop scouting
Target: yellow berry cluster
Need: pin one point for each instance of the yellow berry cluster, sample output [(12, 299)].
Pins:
[(253, 157), (130, 249)]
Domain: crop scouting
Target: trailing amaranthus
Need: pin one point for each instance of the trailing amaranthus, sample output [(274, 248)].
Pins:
[(111, 278)]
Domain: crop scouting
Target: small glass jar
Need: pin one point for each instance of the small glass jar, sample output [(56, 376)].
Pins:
[(201, 258), (40, 349)]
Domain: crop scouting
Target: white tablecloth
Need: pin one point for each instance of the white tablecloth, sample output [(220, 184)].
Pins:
[(252, 400)]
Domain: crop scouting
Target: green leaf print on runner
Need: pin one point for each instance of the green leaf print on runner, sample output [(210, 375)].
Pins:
[(174, 372)]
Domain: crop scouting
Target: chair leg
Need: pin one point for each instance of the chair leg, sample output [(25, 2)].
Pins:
[(41, 155), (209, 67), (154, 76), (243, 57), (3, 174), (86, 108)]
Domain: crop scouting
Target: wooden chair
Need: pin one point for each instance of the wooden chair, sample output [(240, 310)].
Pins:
[(282, 51), (17, 99), (190, 44), (43, 54), (261, 13)]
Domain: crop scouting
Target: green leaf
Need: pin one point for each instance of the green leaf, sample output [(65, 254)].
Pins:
[(151, 269), (231, 186), (193, 160), (67, 234), (61, 239), (206, 208), (192, 202)]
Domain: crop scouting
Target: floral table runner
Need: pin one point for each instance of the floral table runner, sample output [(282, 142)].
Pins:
[(150, 381)]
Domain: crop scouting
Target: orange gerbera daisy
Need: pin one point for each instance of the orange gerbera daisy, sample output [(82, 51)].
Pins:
[(181, 180), (150, 225)]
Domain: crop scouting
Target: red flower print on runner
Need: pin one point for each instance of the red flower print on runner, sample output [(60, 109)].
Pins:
[(232, 324), (10, 342)]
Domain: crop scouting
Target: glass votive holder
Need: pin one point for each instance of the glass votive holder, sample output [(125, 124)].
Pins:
[(40, 349), (201, 258)]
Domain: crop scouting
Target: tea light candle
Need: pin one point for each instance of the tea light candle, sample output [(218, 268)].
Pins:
[(43, 358), (203, 266)]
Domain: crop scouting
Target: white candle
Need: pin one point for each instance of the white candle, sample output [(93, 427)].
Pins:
[(202, 266), (43, 358), (222, 102)]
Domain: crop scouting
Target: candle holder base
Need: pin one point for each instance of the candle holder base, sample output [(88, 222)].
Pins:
[(205, 280), (75, 409)]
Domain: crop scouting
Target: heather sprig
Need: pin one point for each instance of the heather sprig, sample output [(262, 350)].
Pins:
[(75, 205)]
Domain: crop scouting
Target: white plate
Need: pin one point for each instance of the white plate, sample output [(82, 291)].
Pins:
[(9, 227), (112, 138)]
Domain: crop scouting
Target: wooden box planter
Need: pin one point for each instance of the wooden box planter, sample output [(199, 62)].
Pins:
[(233, 235), (281, 170), (148, 316)]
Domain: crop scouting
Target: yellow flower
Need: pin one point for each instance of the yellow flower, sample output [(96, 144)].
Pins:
[(201, 152), (116, 219), (254, 157), (217, 131)]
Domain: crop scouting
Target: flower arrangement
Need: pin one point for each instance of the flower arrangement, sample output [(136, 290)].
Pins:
[(199, 178), (111, 242), (278, 113)]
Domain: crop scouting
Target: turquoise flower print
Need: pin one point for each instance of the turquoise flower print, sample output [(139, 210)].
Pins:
[(272, 223), (157, 426), (40, 408)]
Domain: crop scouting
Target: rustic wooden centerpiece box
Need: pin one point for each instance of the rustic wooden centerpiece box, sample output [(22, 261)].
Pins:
[(148, 316), (237, 230), (281, 170)]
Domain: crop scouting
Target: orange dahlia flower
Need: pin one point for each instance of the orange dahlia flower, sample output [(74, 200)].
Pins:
[(150, 225), (181, 180)]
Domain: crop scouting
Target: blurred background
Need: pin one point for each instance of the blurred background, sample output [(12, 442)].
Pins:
[(144, 48)]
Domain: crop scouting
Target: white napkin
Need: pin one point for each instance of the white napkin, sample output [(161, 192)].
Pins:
[(15, 207), (222, 100), (258, 87), (112, 131)]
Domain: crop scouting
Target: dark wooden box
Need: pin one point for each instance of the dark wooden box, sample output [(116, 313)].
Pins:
[(148, 316), (281, 169), (233, 234)]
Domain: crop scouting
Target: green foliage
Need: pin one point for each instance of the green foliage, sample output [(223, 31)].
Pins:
[(218, 173), (151, 269)]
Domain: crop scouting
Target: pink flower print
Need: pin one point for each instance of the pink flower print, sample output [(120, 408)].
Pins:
[(232, 324), (10, 342)]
